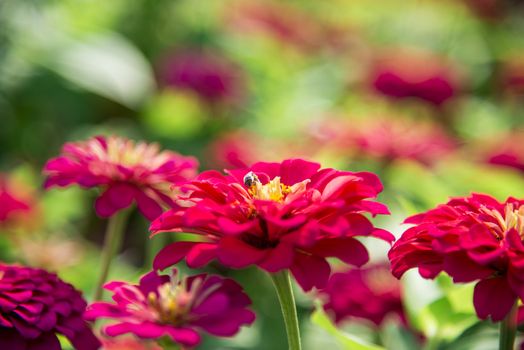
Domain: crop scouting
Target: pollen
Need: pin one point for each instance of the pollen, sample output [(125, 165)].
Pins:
[(513, 218), (272, 191)]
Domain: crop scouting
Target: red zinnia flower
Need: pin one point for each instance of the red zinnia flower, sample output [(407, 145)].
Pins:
[(127, 171), (276, 216), (473, 238), (36, 305), (370, 293), (163, 306), (402, 73)]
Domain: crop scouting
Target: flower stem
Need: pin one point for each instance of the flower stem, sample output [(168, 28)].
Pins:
[(112, 242), (508, 328), (282, 283)]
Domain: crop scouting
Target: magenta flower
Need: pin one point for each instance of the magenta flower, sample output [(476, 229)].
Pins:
[(126, 171), (276, 216), (162, 306), (13, 205), (369, 293), (35, 306), (210, 76), (402, 73), (507, 151), (475, 238)]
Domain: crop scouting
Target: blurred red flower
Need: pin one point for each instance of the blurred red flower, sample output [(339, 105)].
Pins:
[(209, 75), (166, 306), (276, 216), (15, 203), (369, 293), (475, 238), (35, 306), (406, 73), (126, 171)]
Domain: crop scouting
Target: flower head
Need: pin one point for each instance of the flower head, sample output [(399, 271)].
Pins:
[(507, 151), (162, 306), (415, 74), (13, 204), (212, 77), (369, 293), (35, 306), (476, 238), (276, 216), (126, 171), (389, 139)]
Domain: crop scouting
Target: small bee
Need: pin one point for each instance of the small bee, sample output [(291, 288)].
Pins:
[(251, 179)]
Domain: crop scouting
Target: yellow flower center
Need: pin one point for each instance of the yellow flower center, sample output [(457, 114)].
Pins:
[(171, 303), (272, 191), (513, 218)]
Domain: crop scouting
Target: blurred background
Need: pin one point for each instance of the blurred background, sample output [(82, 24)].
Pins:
[(427, 94)]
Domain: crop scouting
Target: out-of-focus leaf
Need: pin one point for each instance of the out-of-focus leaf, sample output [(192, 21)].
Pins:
[(173, 114), (394, 336), (480, 336), (108, 65), (348, 341)]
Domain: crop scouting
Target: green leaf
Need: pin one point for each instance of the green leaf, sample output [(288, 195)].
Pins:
[(347, 341), (108, 65)]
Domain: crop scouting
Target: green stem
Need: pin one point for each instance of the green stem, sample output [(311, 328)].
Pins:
[(508, 328), (112, 242), (282, 283)]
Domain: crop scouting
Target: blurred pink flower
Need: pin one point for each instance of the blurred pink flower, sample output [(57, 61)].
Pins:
[(35, 306), (290, 215), (505, 150), (369, 293), (126, 171), (405, 73), (163, 306), (209, 75), (475, 238), (128, 343), (15, 203), (241, 148), (388, 139)]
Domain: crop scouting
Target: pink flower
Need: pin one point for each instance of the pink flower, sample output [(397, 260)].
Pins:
[(369, 293), (388, 139), (128, 343), (35, 306), (212, 77), (276, 216), (507, 151), (13, 204), (163, 306), (403, 73), (126, 171), (475, 238)]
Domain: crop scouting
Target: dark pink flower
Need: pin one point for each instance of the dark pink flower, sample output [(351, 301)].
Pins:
[(209, 75), (162, 306), (369, 293), (13, 204), (476, 238), (507, 151), (402, 73), (35, 306), (276, 216), (126, 171)]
